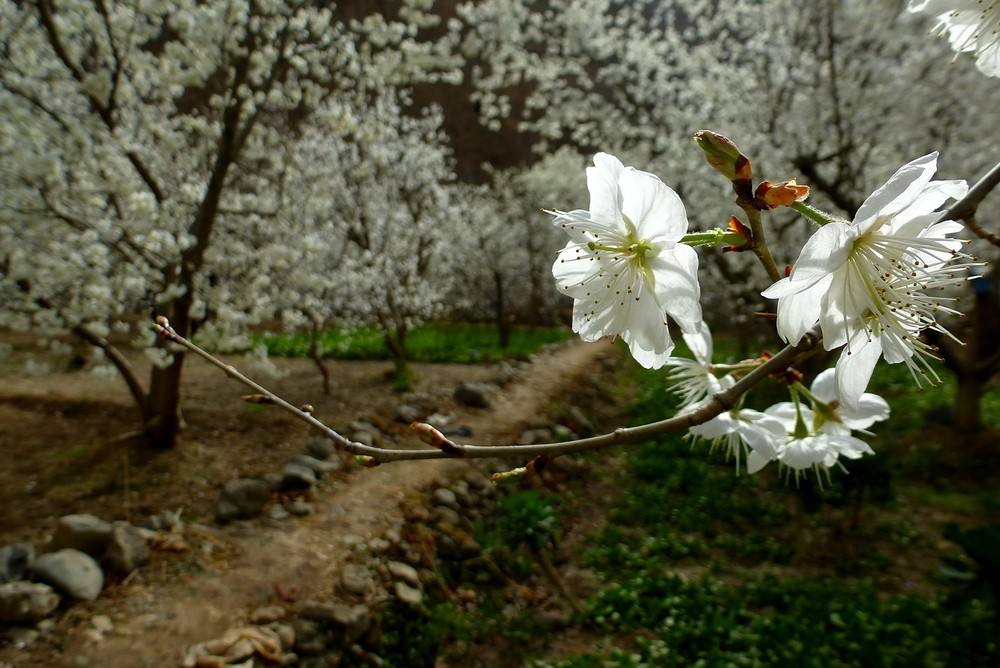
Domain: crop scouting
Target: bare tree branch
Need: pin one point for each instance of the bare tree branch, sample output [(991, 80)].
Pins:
[(703, 412)]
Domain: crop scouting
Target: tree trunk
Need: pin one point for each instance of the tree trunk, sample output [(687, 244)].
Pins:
[(317, 359), (500, 311), (967, 399), (163, 411), (395, 341)]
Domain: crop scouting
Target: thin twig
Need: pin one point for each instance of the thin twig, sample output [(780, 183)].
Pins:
[(703, 412), (760, 247), (966, 207)]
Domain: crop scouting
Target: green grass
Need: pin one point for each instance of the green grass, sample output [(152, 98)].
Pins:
[(458, 343), (679, 506)]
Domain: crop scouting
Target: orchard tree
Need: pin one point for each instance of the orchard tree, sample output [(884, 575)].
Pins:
[(145, 140)]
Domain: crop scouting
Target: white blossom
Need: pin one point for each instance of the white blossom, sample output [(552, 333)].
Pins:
[(872, 284), (971, 25), (624, 265)]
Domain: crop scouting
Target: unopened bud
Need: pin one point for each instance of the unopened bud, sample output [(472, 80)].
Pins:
[(258, 399), (786, 193), (366, 461), (724, 156), (739, 236), (432, 436), (507, 475), (307, 409)]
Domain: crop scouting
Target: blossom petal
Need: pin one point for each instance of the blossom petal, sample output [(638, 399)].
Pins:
[(855, 367), (798, 312), (574, 269), (823, 253), (871, 409), (653, 207), (700, 343), (825, 385), (898, 192), (605, 194), (675, 273)]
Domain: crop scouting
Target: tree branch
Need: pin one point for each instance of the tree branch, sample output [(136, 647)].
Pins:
[(703, 412)]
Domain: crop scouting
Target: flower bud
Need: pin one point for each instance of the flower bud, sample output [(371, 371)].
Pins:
[(786, 193), (739, 236), (724, 156)]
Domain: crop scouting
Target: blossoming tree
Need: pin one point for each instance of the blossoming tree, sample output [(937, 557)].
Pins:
[(144, 148)]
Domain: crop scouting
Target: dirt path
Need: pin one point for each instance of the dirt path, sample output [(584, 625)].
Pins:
[(240, 566)]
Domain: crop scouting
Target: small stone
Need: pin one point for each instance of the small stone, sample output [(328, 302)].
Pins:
[(318, 466), (535, 436), (102, 624), (309, 636), (407, 594), (26, 601), (363, 437), (277, 513), (239, 650), (562, 433), (400, 571), (407, 413), (285, 633), (267, 614), (475, 395), (445, 515), (445, 497), (356, 579), (71, 572), (242, 499), (297, 477), (21, 637), (299, 508), (15, 561), (378, 545), (459, 430), (127, 549), (320, 448), (85, 533), (363, 425)]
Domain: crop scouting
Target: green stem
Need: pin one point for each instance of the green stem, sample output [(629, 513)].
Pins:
[(712, 237), (813, 214), (801, 430)]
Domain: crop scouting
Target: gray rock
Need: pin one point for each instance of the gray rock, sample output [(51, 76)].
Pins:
[(85, 533), (445, 515), (297, 477), (363, 437), (26, 601), (127, 549), (268, 614), (20, 637), (320, 448), (563, 433), (299, 508), (535, 436), (407, 413), (475, 395), (14, 561), (318, 466), (309, 636), (445, 497), (356, 579), (242, 499), (70, 571), (407, 594), (404, 572), (364, 425), (277, 513), (351, 620), (285, 633), (378, 545)]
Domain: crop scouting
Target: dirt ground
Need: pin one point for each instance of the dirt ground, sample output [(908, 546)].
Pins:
[(61, 435)]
